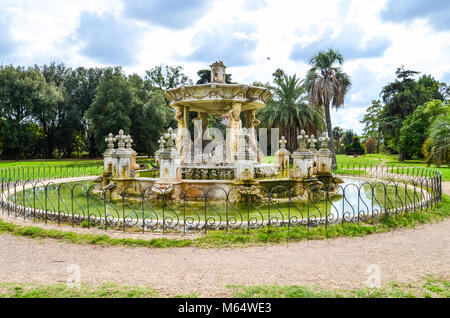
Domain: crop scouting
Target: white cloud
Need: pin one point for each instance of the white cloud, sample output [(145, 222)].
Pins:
[(44, 31)]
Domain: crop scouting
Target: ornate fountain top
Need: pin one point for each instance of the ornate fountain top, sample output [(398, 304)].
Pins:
[(218, 72), (218, 97)]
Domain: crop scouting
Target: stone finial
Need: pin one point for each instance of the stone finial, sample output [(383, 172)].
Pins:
[(129, 142), (110, 140), (312, 142), (121, 139), (324, 141), (283, 142), (302, 138), (161, 143), (170, 137)]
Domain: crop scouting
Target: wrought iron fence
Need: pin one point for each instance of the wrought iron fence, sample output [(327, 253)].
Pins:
[(382, 192)]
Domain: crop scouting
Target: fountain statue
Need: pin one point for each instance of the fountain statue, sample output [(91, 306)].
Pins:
[(208, 162)]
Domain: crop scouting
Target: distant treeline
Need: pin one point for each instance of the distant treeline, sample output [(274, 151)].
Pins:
[(54, 111)]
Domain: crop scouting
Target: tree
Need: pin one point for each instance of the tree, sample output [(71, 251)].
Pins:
[(347, 138), (415, 127), (327, 86), (371, 145), (437, 146), (289, 111), (371, 121), (145, 107), (400, 99), (338, 132), (166, 77), (24, 96), (110, 109)]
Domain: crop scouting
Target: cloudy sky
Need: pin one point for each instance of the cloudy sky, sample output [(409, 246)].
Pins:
[(252, 37)]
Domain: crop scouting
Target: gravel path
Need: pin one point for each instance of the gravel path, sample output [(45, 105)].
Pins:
[(403, 255)]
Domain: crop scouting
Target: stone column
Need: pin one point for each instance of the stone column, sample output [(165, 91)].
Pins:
[(303, 159), (121, 159), (282, 155), (169, 159), (244, 158), (180, 118), (235, 129), (252, 123)]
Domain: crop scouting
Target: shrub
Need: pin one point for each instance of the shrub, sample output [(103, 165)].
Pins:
[(355, 147)]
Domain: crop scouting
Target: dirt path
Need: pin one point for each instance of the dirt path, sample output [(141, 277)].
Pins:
[(402, 255)]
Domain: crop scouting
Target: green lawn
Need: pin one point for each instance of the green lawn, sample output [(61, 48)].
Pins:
[(342, 160), (46, 163), (428, 287), (242, 237)]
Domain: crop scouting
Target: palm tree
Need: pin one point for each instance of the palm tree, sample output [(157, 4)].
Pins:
[(338, 132), (437, 146), (289, 111), (327, 85)]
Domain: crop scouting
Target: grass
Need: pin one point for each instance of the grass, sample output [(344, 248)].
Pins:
[(390, 160), (428, 287), (61, 290), (87, 165), (49, 163), (242, 237)]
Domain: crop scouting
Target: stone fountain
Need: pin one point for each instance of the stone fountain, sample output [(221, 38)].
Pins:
[(194, 168)]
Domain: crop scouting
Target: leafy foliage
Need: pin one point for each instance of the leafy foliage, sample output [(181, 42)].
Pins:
[(415, 128), (401, 98), (289, 110), (54, 110), (355, 147), (437, 146)]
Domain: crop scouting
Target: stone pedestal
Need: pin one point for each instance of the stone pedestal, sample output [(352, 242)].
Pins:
[(324, 156), (244, 159), (121, 158), (303, 165), (169, 160), (282, 155), (169, 165), (324, 162), (121, 164)]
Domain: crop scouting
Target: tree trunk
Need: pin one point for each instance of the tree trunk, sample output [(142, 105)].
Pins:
[(330, 135)]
